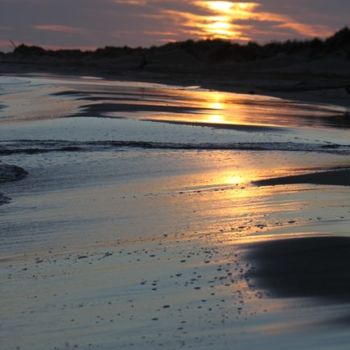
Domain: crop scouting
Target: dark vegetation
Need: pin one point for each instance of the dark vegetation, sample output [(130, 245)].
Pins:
[(211, 51)]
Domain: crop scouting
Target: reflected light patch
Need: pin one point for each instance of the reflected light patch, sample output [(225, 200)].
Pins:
[(216, 118), (216, 105), (235, 180)]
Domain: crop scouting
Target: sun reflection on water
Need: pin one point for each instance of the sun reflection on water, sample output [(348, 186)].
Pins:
[(216, 105), (240, 112)]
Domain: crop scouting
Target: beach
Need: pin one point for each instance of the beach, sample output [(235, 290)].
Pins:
[(146, 215)]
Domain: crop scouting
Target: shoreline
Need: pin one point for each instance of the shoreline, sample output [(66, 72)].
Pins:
[(308, 87), (143, 248)]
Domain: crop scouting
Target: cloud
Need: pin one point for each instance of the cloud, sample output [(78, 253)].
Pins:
[(238, 21), (92, 23), (59, 28)]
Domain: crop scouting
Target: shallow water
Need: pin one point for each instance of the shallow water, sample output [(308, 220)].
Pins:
[(53, 97), (59, 130)]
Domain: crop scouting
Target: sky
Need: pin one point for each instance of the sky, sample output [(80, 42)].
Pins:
[(88, 24)]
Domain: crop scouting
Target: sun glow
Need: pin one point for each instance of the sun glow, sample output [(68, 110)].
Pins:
[(235, 180), (220, 5), (222, 18)]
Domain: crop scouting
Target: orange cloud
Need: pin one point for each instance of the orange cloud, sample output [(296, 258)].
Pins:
[(131, 2), (58, 28), (281, 21), (232, 21), (149, 22)]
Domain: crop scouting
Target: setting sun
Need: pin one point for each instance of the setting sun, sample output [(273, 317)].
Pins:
[(220, 5), (222, 20)]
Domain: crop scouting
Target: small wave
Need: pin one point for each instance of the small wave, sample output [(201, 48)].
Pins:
[(46, 146)]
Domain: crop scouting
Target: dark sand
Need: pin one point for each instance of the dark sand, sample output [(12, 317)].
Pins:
[(331, 177), (98, 110), (238, 127), (3, 199), (316, 267), (10, 173)]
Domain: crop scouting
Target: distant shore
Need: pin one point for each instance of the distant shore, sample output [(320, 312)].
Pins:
[(321, 87), (322, 79), (315, 70)]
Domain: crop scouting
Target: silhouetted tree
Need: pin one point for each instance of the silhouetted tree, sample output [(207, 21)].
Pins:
[(210, 50)]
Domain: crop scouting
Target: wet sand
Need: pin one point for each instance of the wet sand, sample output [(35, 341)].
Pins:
[(3, 199), (130, 235), (150, 256), (309, 267), (10, 173), (246, 128), (330, 177)]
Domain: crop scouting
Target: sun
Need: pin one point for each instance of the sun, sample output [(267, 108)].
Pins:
[(220, 6)]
